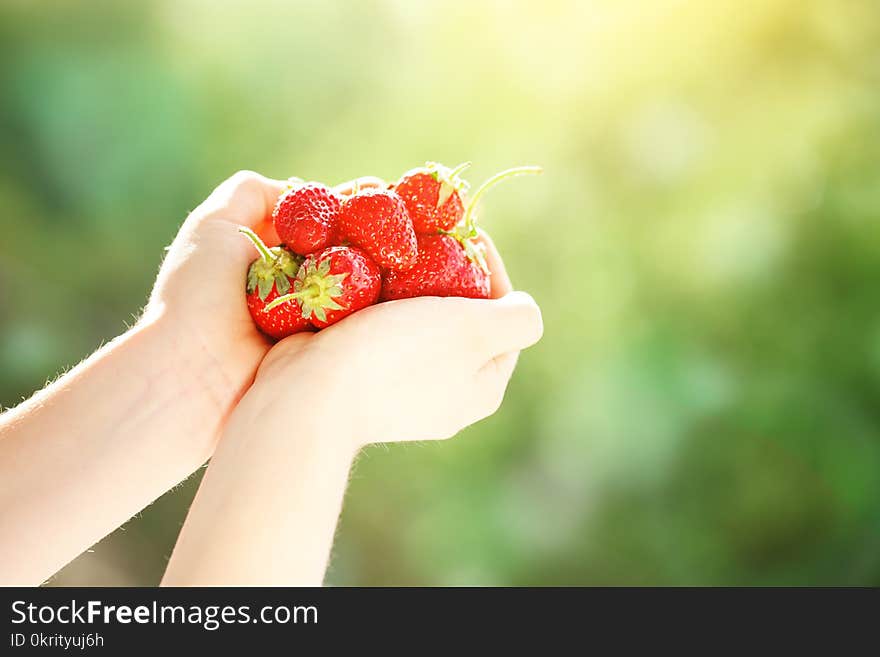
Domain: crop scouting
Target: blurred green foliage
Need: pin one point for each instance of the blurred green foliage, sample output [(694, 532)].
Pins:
[(705, 245)]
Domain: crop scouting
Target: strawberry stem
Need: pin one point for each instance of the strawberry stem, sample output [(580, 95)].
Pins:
[(457, 170), (283, 299), (267, 256), (491, 182)]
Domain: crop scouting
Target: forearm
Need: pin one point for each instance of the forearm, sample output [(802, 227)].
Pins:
[(412, 369), (267, 509), (109, 437)]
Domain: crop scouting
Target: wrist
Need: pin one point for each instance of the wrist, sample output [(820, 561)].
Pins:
[(272, 416), (220, 374), (205, 394), (285, 468)]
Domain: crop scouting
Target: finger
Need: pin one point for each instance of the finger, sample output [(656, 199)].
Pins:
[(492, 380), (246, 198), (500, 368), (499, 280), (364, 182), (499, 326), (266, 230), (285, 350)]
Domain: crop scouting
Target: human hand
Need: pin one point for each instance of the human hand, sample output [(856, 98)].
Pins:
[(413, 369), (199, 293)]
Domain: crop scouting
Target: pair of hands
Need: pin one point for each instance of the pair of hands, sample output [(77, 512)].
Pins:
[(412, 369), (194, 379)]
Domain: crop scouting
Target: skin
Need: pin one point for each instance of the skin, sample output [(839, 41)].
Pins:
[(160, 396), (157, 397)]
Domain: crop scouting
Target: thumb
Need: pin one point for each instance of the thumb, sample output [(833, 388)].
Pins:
[(284, 351)]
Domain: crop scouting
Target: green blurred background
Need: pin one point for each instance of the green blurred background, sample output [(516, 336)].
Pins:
[(705, 245)]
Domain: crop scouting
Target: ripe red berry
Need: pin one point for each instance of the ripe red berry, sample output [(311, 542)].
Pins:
[(332, 284), (443, 269), (376, 220), (305, 217), (268, 277), (451, 262), (433, 196)]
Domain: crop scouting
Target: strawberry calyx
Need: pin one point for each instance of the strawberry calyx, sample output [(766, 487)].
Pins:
[(466, 234), (315, 289), (275, 267), (449, 179)]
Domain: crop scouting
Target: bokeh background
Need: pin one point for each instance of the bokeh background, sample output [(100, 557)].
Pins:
[(705, 245)]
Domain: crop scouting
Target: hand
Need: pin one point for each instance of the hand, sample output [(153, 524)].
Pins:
[(423, 368), (414, 369), (199, 293), (143, 412)]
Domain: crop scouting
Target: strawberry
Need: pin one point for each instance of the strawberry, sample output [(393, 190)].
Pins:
[(331, 285), (268, 277), (443, 269), (451, 263), (376, 220), (433, 196), (305, 217)]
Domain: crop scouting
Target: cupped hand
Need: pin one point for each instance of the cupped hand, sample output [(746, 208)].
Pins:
[(412, 369), (199, 293)]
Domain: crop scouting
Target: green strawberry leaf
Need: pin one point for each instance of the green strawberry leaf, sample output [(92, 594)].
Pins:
[(252, 280), (265, 286), (476, 253), (282, 283), (446, 190)]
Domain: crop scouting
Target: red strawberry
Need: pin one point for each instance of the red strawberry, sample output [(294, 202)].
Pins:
[(305, 217), (376, 220), (452, 263), (332, 284), (443, 269), (432, 195), (268, 277)]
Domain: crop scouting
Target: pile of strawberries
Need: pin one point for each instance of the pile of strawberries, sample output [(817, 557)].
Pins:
[(346, 248)]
